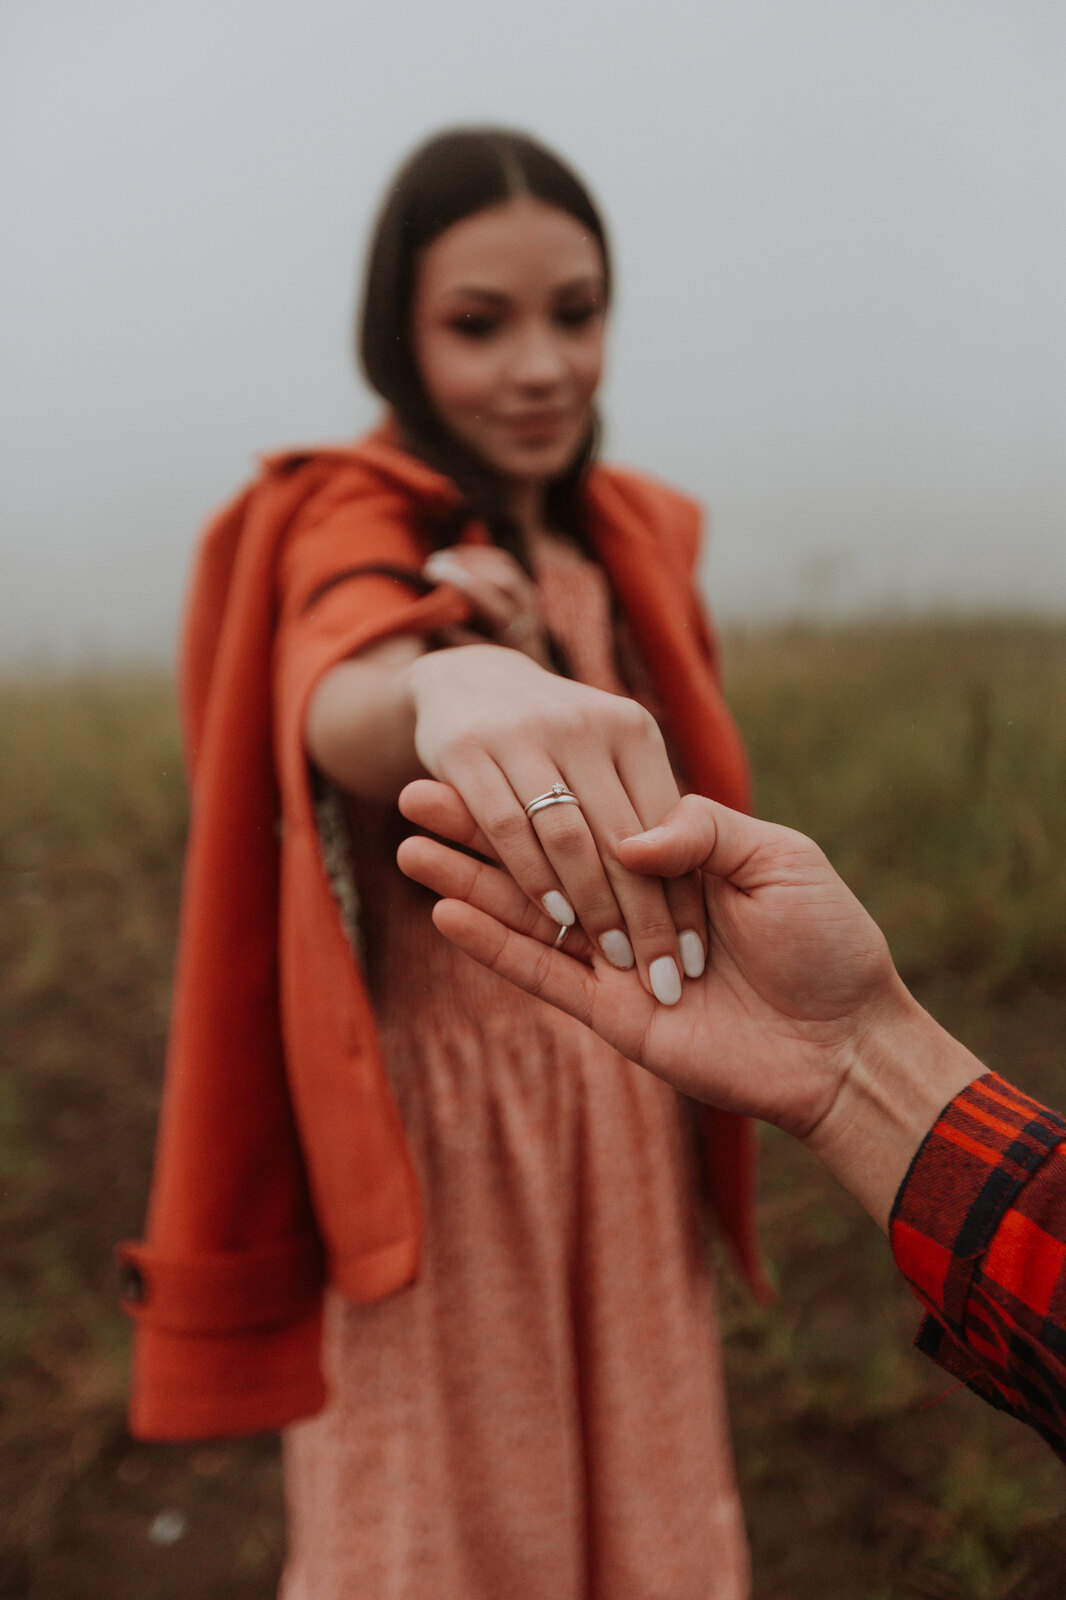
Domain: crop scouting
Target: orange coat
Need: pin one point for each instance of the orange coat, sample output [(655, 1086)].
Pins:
[(282, 1162)]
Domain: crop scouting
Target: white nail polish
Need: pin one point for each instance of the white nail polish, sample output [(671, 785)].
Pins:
[(665, 981), (693, 959), (558, 908), (617, 948), (443, 568)]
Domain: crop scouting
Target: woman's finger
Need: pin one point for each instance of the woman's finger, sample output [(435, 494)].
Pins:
[(688, 908), (460, 563), (559, 825), (439, 809), (489, 889), (644, 908), (650, 783), (503, 595), (627, 916), (550, 975), (445, 567), (491, 801)]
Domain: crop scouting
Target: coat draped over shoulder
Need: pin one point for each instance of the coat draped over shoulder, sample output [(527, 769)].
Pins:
[(282, 1164)]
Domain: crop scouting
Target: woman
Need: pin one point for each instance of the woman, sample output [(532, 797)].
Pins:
[(463, 594)]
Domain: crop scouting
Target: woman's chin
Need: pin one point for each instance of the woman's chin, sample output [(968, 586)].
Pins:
[(536, 459)]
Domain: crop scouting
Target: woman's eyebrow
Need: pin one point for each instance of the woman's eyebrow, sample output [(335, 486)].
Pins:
[(588, 280), (477, 291), (583, 284)]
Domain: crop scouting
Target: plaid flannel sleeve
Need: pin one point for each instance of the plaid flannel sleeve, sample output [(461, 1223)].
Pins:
[(978, 1229)]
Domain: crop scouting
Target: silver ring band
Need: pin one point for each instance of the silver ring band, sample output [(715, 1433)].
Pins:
[(564, 929), (557, 795)]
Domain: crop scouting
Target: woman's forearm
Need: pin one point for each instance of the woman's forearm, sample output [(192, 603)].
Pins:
[(360, 728)]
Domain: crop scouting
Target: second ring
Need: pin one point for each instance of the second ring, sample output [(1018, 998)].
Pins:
[(557, 795)]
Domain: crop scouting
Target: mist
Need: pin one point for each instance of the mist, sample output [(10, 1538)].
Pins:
[(841, 253)]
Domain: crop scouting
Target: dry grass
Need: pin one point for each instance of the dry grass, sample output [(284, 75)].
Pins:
[(930, 763)]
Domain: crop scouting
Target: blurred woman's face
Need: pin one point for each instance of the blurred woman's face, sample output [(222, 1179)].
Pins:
[(508, 329)]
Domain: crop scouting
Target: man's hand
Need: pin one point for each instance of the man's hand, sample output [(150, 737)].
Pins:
[(795, 968), (799, 1018)]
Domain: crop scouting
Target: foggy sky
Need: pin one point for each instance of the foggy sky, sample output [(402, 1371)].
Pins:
[(841, 247)]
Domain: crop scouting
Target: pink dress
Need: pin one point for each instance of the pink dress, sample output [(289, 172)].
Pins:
[(542, 1415)]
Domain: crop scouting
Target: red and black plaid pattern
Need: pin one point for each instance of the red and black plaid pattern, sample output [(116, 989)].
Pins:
[(979, 1231)]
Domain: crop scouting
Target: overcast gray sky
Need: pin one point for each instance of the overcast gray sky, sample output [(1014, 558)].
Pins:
[(840, 229)]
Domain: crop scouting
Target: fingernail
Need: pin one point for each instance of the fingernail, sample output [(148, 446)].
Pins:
[(693, 958), (558, 908), (617, 948), (665, 981), (443, 568)]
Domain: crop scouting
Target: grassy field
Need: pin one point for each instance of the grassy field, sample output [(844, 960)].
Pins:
[(930, 761)]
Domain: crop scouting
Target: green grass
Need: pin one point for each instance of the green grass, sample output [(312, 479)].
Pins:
[(930, 762)]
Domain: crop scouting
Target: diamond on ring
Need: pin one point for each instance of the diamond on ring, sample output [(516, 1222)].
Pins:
[(557, 795)]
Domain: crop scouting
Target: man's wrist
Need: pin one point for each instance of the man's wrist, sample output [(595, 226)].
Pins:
[(903, 1068)]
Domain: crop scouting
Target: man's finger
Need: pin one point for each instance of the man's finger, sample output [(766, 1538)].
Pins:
[(703, 834)]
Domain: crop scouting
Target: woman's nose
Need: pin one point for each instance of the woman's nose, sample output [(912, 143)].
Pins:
[(538, 361)]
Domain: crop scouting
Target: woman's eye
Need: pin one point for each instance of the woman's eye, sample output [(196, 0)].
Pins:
[(475, 324), (577, 316)]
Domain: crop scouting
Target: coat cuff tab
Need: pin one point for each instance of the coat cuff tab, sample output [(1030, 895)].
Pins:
[(220, 1292)]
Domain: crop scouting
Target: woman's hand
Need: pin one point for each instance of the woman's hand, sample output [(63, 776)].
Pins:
[(502, 732), (504, 598)]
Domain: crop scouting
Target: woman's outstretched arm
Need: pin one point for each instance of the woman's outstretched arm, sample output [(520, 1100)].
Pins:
[(503, 731)]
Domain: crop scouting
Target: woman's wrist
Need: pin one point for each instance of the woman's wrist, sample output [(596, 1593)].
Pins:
[(901, 1069), (474, 663)]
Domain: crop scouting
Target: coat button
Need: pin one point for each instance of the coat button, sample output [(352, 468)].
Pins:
[(132, 1286)]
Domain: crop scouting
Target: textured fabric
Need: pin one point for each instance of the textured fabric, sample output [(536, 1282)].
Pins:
[(979, 1231), (542, 1413), (281, 1153)]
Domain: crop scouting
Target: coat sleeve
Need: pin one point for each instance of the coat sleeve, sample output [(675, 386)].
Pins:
[(349, 576), (226, 1287)]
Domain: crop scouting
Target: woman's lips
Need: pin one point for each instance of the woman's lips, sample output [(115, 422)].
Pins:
[(541, 428)]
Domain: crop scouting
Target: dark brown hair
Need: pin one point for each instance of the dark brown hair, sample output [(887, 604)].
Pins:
[(454, 175)]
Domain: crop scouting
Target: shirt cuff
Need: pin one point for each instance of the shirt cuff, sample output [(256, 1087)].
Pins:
[(968, 1171)]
